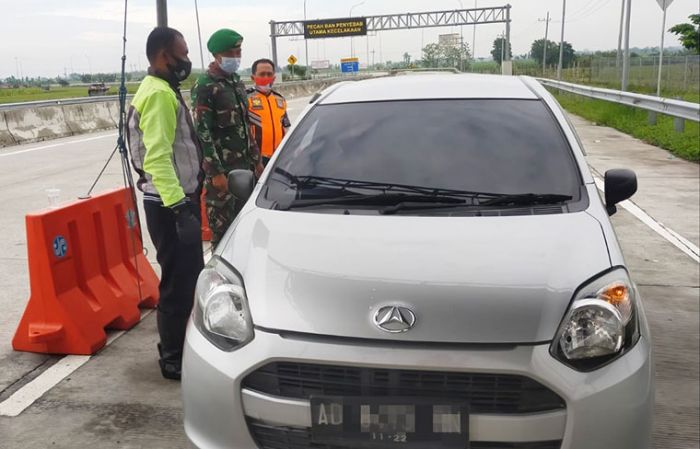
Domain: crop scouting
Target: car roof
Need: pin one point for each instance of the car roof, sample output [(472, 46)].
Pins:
[(430, 86)]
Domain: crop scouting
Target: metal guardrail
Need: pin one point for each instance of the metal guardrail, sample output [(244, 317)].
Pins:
[(667, 106), (426, 70), (60, 102), (103, 98)]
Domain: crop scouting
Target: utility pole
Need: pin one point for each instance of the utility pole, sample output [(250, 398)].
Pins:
[(619, 37), (626, 58), (199, 34), (474, 35), (461, 42), (503, 46), (306, 44), (17, 67), (561, 42), (367, 39), (664, 5), (544, 47), (162, 10), (506, 46)]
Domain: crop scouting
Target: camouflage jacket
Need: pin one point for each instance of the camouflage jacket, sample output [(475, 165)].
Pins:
[(219, 103)]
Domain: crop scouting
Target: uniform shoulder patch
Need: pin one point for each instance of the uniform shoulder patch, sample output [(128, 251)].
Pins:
[(256, 103)]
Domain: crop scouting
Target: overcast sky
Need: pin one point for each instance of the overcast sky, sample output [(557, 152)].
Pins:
[(48, 37)]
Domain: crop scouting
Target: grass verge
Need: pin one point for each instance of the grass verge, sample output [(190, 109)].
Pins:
[(634, 122), (58, 93)]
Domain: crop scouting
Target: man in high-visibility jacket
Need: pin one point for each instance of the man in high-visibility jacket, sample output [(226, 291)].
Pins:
[(267, 110), (168, 159)]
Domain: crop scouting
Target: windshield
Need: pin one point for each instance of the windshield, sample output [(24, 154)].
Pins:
[(507, 147)]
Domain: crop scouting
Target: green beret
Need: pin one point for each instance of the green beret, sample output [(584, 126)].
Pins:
[(224, 40)]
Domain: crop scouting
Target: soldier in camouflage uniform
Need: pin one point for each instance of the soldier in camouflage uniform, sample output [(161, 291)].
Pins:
[(219, 102)]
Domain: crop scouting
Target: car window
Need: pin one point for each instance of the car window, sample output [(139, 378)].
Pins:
[(499, 146)]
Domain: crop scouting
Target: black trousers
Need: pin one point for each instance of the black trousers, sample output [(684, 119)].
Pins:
[(180, 266)]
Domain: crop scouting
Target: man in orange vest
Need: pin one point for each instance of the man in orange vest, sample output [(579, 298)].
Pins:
[(268, 110)]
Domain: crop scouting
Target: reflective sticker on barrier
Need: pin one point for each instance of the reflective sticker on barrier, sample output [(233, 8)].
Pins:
[(60, 246), (131, 218)]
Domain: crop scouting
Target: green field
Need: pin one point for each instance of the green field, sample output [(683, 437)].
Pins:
[(634, 122), (37, 94)]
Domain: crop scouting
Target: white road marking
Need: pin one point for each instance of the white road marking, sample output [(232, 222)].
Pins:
[(28, 394), (32, 391), (677, 240), (21, 399), (44, 147)]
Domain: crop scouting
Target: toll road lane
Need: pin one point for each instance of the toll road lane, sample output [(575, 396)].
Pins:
[(118, 399), (26, 172)]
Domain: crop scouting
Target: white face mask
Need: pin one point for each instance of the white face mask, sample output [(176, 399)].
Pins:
[(230, 65)]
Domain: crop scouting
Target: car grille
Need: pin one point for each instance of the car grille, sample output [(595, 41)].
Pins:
[(485, 393), (274, 437)]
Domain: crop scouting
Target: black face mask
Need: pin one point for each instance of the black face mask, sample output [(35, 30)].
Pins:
[(180, 70)]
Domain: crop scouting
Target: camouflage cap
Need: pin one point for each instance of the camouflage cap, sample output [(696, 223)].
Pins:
[(224, 40)]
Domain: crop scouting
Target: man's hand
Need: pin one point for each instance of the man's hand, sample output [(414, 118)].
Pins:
[(259, 170), (189, 229), (220, 182)]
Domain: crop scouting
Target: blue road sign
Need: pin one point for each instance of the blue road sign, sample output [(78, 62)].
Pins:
[(349, 66)]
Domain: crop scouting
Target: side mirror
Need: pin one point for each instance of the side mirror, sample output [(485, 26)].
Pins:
[(620, 184), (241, 184)]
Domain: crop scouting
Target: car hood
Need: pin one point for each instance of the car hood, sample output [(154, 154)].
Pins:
[(466, 279)]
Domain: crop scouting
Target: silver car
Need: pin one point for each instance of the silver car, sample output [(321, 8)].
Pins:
[(425, 263)]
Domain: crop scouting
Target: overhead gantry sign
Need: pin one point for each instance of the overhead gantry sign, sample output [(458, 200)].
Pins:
[(359, 26)]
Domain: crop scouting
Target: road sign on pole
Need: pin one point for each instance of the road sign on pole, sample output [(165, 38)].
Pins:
[(292, 60), (664, 4), (626, 54), (349, 65)]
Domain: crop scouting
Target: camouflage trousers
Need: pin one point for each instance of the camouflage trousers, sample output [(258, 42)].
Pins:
[(222, 209)]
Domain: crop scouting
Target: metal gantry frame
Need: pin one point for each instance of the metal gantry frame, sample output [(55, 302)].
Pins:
[(406, 21)]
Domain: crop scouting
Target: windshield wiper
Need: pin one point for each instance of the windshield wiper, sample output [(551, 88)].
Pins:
[(501, 200), (403, 197), (526, 199), (382, 199), (306, 181)]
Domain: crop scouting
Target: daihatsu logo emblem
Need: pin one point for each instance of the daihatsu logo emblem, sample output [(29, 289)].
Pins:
[(394, 319)]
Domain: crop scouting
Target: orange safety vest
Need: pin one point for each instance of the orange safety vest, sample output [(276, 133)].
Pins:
[(268, 120)]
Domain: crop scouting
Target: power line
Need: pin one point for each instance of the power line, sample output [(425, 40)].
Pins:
[(591, 12), (592, 7), (585, 6)]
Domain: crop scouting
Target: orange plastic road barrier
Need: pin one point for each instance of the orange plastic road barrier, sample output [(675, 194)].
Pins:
[(206, 231), (87, 272)]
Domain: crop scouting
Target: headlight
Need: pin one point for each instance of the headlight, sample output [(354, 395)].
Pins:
[(601, 323), (221, 310)]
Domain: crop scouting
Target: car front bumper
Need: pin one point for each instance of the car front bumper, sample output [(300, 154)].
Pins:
[(605, 409)]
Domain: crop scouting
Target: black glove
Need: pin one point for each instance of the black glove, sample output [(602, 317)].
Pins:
[(189, 229)]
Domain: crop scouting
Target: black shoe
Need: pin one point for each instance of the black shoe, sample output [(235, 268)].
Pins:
[(171, 370)]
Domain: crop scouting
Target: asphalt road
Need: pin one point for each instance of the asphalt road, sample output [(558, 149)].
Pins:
[(117, 398)]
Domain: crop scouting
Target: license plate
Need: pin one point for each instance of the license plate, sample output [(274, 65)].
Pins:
[(370, 422)]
